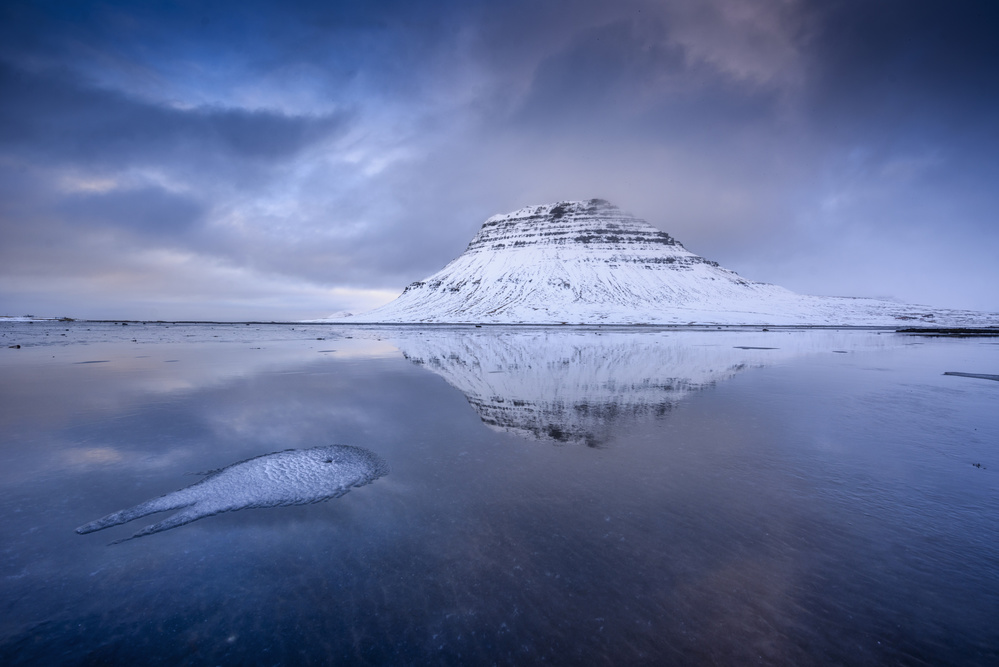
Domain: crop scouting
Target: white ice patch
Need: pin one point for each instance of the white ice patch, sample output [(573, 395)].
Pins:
[(291, 477)]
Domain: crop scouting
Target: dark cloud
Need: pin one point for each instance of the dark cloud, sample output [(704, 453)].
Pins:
[(146, 210), (884, 63), (602, 68), (57, 117), (620, 84)]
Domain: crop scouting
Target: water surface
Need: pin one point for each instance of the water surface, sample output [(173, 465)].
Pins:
[(567, 496)]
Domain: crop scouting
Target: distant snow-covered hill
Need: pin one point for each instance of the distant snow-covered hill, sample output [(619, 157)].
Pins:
[(588, 262)]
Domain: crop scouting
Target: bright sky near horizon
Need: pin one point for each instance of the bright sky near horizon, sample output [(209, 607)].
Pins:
[(287, 160)]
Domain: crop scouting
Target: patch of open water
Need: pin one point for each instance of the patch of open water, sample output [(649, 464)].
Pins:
[(566, 496)]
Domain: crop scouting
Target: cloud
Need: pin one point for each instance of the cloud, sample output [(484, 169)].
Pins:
[(59, 118), (147, 210), (94, 178), (358, 146)]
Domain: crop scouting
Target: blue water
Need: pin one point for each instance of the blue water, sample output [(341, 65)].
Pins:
[(563, 496)]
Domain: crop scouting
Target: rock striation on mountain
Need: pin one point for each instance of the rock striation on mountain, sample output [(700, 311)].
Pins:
[(588, 262)]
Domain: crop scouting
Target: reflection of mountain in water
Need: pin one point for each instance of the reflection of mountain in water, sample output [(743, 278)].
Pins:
[(576, 386)]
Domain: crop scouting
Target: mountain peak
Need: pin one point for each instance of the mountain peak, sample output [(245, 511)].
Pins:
[(589, 262), (560, 209), (591, 223)]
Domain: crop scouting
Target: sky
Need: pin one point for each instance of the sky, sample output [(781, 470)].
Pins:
[(288, 160)]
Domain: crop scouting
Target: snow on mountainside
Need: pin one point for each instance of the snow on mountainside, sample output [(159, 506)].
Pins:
[(588, 262)]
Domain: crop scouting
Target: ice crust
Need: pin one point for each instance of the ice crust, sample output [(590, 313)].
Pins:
[(291, 477), (588, 262)]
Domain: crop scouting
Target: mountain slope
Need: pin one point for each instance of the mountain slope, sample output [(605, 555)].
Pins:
[(587, 262)]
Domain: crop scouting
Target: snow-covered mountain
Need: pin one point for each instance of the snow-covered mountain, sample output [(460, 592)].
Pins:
[(588, 262)]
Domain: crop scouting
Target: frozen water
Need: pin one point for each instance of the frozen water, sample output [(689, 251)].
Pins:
[(829, 500), (292, 477)]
